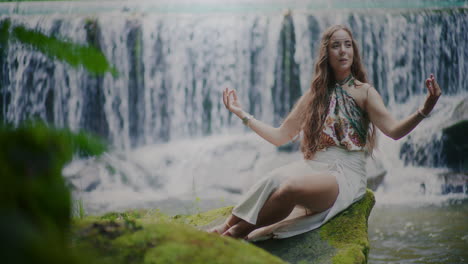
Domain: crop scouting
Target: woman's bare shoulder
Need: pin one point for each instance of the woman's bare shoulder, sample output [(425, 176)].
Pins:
[(362, 85)]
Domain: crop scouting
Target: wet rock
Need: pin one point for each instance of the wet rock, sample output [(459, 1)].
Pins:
[(150, 236), (454, 183), (342, 240), (455, 146), (286, 88), (448, 147), (375, 173), (92, 186)]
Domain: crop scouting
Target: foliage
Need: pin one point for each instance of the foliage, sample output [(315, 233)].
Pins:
[(74, 54), (34, 200)]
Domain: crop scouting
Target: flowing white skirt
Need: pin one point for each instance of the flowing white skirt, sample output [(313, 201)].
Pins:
[(347, 166)]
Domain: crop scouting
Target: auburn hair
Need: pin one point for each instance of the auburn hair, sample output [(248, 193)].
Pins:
[(311, 109)]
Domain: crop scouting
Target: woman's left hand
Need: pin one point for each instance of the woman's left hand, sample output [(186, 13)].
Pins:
[(432, 96)]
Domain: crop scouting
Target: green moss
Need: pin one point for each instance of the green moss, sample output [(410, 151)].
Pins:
[(76, 55), (202, 219), (155, 215), (143, 215), (342, 240), (348, 232), (160, 240), (149, 236)]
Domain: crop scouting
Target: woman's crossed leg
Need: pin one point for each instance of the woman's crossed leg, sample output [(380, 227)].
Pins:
[(316, 192)]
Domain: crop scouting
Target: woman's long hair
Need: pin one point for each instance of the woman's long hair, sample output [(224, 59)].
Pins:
[(311, 109)]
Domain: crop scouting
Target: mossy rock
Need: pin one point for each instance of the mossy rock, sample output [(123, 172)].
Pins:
[(342, 240), (151, 237), (347, 232), (145, 236)]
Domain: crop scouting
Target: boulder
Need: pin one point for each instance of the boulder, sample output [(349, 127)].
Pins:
[(341, 240), (149, 236), (454, 183)]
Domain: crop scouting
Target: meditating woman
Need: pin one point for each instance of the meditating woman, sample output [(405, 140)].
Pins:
[(337, 117)]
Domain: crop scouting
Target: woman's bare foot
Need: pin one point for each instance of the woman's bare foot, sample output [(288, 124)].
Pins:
[(230, 221), (240, 230), (219, 229)]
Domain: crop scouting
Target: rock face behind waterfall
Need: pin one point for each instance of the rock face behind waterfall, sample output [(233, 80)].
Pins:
[(450, 149), (287, 88), (171, 69)]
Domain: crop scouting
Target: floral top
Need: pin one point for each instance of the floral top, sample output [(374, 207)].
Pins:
[(346, 123)]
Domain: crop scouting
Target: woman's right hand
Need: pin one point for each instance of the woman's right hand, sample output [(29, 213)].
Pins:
[(433, 95), (232, 104)]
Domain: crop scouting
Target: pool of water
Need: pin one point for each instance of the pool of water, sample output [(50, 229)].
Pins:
[(429, 234)]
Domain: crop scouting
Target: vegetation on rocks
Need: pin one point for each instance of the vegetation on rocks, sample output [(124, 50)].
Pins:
[(342, 240), (147, 236), (348, 232), (34, 199)]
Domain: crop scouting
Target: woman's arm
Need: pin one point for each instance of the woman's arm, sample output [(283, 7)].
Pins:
[(381, 117), (276, 136)]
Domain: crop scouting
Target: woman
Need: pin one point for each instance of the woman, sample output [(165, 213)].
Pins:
[(337, 116)]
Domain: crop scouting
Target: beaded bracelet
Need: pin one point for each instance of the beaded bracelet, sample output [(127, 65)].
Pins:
[(246, 119)]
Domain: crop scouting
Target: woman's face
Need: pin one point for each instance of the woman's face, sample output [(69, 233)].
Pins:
[(340, 52)]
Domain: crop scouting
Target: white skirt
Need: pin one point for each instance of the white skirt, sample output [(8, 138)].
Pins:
[(347, 166)]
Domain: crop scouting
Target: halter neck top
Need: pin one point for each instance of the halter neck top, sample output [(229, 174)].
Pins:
[(346, 123)]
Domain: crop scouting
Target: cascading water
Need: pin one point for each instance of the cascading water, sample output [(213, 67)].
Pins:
[(172, 69), (163, 115)]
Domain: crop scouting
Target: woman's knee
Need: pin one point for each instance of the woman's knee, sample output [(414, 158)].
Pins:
[(313, 189), (286, 192)]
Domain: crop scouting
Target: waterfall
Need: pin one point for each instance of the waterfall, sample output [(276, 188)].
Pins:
[(172, 68)]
